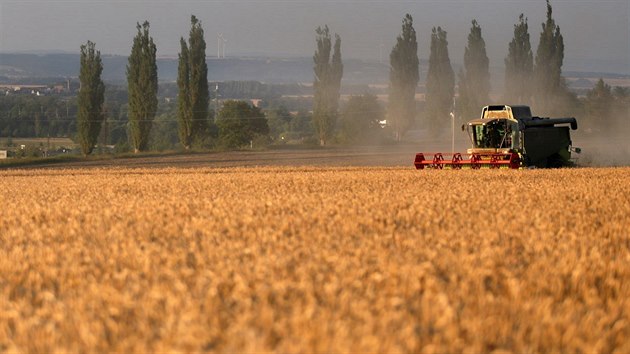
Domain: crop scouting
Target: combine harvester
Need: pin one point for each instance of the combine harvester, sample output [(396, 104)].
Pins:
[(509, 137)]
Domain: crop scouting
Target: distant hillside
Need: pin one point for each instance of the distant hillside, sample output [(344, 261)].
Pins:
[(20, 66), (50, 68), (34, 65)]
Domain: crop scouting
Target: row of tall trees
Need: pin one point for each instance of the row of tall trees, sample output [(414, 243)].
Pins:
[(193, 111), (536, 82), (142, 89), (404, 77), (142, 81)]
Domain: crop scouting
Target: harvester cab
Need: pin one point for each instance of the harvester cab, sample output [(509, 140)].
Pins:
[(508, 136)]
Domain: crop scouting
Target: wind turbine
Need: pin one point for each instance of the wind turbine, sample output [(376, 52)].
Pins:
[(221, 45), (219, 38)]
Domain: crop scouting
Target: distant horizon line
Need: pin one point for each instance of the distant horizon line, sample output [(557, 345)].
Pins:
[(282, 56)]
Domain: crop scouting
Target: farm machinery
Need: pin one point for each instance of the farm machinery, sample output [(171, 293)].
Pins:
[(509, 137)]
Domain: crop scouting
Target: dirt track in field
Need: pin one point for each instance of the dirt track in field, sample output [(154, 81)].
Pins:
[(362, 156), (614, 151)]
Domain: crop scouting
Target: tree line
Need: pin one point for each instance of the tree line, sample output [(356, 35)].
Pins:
[(529, 80), (236, 124), (191, 121)]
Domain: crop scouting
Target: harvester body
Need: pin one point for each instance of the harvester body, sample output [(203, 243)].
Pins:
[(509, 136)]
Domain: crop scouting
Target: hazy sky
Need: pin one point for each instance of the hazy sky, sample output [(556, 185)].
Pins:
[(596, 33)]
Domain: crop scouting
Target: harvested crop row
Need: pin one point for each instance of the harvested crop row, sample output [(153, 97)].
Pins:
[(315, 259)]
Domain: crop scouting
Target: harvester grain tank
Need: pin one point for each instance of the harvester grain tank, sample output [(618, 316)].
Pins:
[(509, 136)]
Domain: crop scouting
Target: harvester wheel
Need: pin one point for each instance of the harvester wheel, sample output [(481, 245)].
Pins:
[(437, 159), (474, 161), (457, 161)]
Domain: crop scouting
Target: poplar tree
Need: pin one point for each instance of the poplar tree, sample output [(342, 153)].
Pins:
[(403, 79), (440, 83), (142, 85), (519, 66), (327, 84), (184, 109), (549, 85), (192, 81), (90, 114), (474, 79)]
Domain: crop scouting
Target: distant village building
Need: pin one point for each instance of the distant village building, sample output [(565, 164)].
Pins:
[(38, 89), (23, 89)]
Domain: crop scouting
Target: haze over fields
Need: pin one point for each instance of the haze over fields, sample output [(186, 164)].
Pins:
[(595, 32)]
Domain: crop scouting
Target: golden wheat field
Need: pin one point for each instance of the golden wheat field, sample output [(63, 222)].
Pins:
[(315, 259)]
